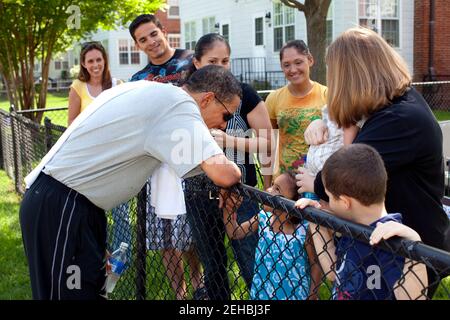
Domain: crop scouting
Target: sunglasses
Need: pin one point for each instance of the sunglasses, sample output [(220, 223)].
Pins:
[(89, 43), (228, 116)]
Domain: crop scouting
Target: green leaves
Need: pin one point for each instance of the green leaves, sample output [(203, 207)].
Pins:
[(41, 28)]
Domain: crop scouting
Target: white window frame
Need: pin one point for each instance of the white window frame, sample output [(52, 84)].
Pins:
[(173, 3), (221, 31), (131, 48), (171, 37), (330, 18), (279, 21), (262, 30), (190, 35), (376, 15), (208, 25)]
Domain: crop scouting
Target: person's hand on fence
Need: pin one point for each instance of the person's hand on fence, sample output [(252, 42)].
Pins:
[(107, 263), (305, 202), (414, 281), (229, 201), (316, 133), (305, 181), (390, 229)]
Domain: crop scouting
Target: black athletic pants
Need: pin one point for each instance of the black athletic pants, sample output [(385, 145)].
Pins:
[(64, 236)]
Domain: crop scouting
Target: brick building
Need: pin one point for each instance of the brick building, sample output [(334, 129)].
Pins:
[(431, 49), (170, 19)]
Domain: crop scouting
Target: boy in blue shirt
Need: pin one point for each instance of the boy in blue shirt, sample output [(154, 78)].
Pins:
[(355, 180)]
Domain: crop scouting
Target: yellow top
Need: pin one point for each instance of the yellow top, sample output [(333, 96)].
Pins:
[(293, 115), (82, 90)]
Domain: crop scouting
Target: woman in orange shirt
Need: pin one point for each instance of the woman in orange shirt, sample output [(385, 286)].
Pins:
[(293, 107)]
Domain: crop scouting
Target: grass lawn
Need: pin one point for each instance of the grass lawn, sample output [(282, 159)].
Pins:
[(54, 100), (14, 279), (442, 115)]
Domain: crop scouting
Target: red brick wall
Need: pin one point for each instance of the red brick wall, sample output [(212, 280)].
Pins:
[(441, 38), (171, 25)]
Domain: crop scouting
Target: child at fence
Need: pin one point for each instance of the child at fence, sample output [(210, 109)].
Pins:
[(355, 181), (282, 269)]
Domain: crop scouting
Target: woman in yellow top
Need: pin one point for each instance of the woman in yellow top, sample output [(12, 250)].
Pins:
[(94, 77), (293, 107)]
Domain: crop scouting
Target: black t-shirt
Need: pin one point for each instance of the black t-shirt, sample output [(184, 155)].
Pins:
[(409, 139), (238, 126), (172, 71)]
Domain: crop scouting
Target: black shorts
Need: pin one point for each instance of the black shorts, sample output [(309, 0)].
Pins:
[(64, 236)]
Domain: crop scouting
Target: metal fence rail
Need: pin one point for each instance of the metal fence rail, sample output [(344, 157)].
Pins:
[(148, 275)]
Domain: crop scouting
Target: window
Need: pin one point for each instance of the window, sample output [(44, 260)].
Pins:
[(226, 32), (259, 32), (65, 65), (128, 52), (174, 9), (190, 35), (208, 25), (134, 53), (57, 65), (174, 40), (383, 17), (330, 17), (284, 25)]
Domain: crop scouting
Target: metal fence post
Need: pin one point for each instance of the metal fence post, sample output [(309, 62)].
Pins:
[(48, 133), (141, 249), (2, 161), (15, 149)]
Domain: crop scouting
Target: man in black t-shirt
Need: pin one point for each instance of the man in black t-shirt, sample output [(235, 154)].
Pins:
[(166, 64)]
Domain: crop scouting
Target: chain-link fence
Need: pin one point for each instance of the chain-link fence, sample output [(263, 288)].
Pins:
[(436, 93), (258, 247)]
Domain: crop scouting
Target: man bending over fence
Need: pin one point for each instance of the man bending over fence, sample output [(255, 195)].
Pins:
[(104, 158)]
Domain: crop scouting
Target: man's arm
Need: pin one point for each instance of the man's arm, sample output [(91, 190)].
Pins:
[(316, 271), (414, 279), (239, 231), (221, 171), (323, 243)]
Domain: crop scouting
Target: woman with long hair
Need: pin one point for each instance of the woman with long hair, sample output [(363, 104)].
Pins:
[(208, 227), (93, 78), (369, 81), (293, 107)]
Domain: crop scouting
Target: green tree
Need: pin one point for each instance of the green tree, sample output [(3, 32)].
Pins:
[(316, 24), (38, 29)]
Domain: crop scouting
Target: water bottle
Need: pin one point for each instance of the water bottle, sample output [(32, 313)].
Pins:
[(309, 195), (117, 262)]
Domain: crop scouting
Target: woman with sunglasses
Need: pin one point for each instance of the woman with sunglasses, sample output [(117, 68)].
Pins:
[(207, 224), (94, 77)]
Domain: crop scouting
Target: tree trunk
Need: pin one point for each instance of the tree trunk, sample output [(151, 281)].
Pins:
[(317, 28)]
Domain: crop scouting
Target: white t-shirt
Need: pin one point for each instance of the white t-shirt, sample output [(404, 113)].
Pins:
[(112, 152), (318, 154)]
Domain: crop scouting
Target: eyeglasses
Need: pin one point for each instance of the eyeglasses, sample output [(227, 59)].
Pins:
[(228, 116)]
